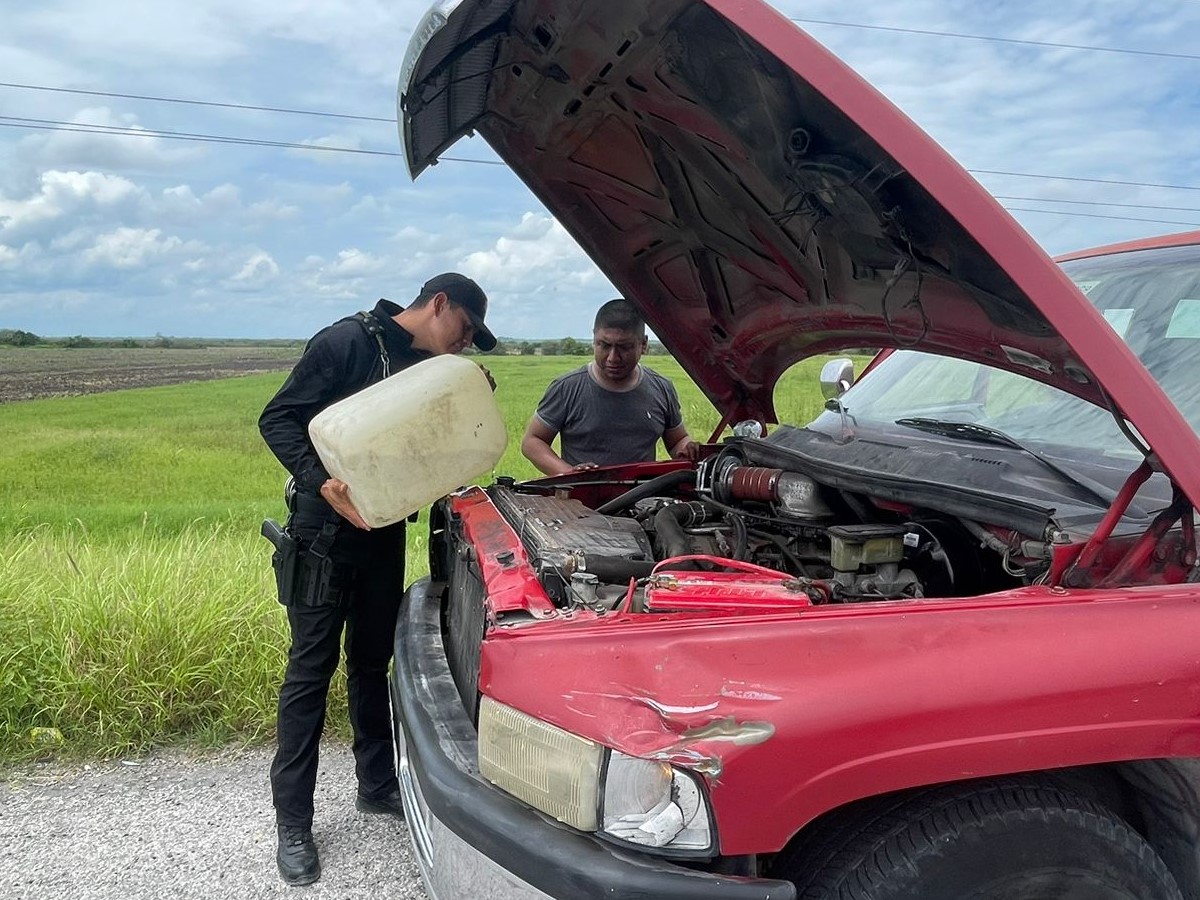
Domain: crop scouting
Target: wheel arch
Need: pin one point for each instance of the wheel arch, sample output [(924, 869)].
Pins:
[(1158, 798)]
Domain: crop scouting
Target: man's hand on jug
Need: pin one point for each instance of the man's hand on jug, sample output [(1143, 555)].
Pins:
[(337, 495)]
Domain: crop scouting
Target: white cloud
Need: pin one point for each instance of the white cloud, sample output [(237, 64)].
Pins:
[(538, 251), (80, 143), (129, 248), (272, 211), (62, 194), (354, 263), (256, 273)]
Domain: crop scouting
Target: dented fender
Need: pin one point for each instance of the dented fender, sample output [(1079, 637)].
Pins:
[(789, 715)]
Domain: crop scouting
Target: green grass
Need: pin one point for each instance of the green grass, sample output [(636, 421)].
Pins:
[(135, 593), (120, 646)]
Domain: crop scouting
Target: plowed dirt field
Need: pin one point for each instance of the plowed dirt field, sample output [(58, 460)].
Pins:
[(28, 373)]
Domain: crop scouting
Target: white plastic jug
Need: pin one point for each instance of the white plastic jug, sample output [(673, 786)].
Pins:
[(404, 442)]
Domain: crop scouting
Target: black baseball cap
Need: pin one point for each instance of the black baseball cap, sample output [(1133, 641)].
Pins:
[(466, 294)]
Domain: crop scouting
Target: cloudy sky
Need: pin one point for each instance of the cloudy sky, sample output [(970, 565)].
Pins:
[(106, 234)]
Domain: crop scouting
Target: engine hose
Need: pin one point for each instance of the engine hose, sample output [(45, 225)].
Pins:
[(669, 524), (741, 536), (647, 489), (754, 483), (615, 570), (986, 538)]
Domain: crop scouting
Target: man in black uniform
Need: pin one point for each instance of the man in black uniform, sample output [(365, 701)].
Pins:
[(348, 574)]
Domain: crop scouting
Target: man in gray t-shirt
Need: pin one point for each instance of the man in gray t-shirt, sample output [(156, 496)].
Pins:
[(613, 410)]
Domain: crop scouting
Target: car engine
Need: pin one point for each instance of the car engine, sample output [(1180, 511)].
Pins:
[(835, 546)]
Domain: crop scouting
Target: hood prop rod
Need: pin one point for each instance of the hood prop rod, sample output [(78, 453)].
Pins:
[(1078, 574), (1139, 554)]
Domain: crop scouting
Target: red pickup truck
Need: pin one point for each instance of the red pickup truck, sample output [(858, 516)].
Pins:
[(942, 642)]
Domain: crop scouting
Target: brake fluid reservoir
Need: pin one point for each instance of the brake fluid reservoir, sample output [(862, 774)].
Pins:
[(404, 442)]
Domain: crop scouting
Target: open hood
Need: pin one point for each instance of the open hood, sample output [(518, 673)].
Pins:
[(753, 196)]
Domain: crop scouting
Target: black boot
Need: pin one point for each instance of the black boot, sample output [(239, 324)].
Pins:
[(297, 855), (391, 804)]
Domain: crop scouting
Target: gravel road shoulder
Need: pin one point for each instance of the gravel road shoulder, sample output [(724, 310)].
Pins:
[(188, 826)]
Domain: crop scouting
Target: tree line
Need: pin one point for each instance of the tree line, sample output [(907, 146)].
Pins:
[(567, 346), (15, 337)]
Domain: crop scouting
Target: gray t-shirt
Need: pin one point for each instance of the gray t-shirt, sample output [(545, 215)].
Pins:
[(609, 427)]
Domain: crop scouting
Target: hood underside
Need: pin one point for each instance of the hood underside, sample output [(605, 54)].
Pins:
[(753, 196)]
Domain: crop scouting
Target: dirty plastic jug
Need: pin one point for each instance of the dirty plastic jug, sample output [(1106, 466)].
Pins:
[(405, 441)]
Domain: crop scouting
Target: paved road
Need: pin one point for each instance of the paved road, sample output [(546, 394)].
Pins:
[(177, 825)]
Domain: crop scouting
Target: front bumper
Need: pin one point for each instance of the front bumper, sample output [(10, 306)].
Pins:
[(473, 840)]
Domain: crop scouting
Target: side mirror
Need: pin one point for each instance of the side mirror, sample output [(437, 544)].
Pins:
[(836, 377)]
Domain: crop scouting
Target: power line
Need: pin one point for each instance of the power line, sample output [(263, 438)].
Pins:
[(333, 115), (482, 162), (1083, 215), (119, 131), (1052, 45), (1173, 187), (277, 109), (389, 120), (147, 132), (123, 131), (1098, 203)]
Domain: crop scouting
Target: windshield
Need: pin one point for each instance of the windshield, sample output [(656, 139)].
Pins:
[(909, 384), (1151, 298)]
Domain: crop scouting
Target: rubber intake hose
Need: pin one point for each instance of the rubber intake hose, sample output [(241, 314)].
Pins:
[(669, 524), (648, 489)]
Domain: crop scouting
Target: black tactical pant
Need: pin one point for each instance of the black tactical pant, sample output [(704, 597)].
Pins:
[(371, 576)]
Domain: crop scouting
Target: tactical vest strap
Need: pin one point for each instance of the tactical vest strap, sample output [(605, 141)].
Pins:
[(372, 327)]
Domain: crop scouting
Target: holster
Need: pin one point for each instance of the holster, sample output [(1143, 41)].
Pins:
[(322, 580), (285, 560)]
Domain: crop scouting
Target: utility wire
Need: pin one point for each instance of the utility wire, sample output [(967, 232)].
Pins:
[(56, 125), (1083, 215), (123, 131), (1173, 187), (333, 115), (482, 162), (119, 131), (1053, 45), (278, 109), (1099, 203)]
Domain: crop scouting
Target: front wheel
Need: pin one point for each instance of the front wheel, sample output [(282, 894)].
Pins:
[(1005, 840)]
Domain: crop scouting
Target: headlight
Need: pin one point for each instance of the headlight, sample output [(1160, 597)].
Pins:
[(645, 803), (654, 805), (550, 769)]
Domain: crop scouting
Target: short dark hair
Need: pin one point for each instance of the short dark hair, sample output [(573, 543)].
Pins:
[(621, 315)]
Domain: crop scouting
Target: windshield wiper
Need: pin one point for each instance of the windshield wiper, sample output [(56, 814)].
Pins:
[(982, 434)]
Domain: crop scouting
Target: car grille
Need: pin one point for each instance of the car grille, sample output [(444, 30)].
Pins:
[(464, 626)]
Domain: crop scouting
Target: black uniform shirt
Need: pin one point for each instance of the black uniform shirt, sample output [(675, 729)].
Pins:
[(338, 361)]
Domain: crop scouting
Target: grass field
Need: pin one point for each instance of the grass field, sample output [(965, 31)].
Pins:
[(135, 591)]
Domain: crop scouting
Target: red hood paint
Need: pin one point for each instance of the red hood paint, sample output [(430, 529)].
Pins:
[(758, 200)]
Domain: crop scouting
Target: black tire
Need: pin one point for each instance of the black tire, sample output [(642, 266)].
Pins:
[(1001, 840)]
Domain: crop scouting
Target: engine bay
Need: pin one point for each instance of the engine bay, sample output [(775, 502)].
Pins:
[(731, 515)]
